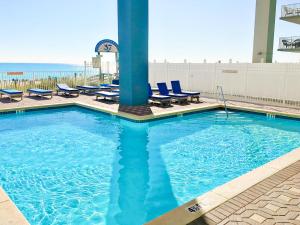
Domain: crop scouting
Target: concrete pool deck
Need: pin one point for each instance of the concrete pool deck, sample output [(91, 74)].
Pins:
[(242, 194), (275, 200)]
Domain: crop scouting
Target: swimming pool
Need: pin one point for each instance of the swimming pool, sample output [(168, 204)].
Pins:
[(76, 166)]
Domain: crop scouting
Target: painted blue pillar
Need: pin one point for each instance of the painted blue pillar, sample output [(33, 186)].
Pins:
[(133, 49)]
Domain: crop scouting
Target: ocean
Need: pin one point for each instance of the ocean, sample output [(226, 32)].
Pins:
[(38, 67), (21, 71)]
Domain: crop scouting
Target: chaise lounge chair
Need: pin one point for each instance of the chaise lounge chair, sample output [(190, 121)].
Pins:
[(177, 90), (64, 88), (11, 93), (113, 86), (105, 87), (114, 96), (86, 89), (116, 82), (163, 90), (40, 92), (155, 89), (161, 99)]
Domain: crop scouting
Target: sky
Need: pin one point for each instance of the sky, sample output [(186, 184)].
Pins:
[(66, 31)]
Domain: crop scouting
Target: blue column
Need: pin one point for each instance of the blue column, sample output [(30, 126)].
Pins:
[(133, 48)]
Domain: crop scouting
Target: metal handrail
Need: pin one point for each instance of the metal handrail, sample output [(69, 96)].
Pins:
[(222, 98)]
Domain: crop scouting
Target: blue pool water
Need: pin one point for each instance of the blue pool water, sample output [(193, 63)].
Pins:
[(76, 166)]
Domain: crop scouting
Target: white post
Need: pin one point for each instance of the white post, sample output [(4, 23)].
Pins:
[(107, 67), (189, 76), (100, 67), (246, 83), (85, 67), (167, 70)]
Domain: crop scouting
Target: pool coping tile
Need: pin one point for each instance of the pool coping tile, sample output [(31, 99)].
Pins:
[(9, 213)]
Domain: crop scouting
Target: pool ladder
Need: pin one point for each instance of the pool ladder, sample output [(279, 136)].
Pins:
[(221, 97), (271, 116)]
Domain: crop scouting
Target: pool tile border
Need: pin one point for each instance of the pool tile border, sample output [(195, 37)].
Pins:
[(127, 116), (265, 111), (226, 192), (156, 116)]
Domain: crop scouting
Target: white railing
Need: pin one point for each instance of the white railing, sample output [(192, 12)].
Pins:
[(286, 43), (49, 79), (272, 84), (290, 10)]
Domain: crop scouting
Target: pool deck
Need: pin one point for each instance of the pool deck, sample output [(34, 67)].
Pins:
[(275, 200), (267, 195)]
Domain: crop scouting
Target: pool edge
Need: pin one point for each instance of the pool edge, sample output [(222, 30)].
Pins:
[(9, 212), (156, 116)]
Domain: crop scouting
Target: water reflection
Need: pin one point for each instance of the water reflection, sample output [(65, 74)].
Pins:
[(130, 184), (140, 187)]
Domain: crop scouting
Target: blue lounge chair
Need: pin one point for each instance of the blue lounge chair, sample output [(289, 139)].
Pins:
[(163, 90), (116, 82), (155, 89), (11, 93), (114, 96), (86, 89), (105, 87), (177, 90), (40, 92), (64, 88), (162, 99), (113, 86)]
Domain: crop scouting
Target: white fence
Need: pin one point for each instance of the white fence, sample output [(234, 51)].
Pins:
[(274, 84), (48, 79)]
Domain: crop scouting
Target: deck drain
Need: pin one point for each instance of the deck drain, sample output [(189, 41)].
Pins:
[(194, 208)]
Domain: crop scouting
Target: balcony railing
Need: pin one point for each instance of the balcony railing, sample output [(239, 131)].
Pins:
[(290, 10), (289, 43)]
